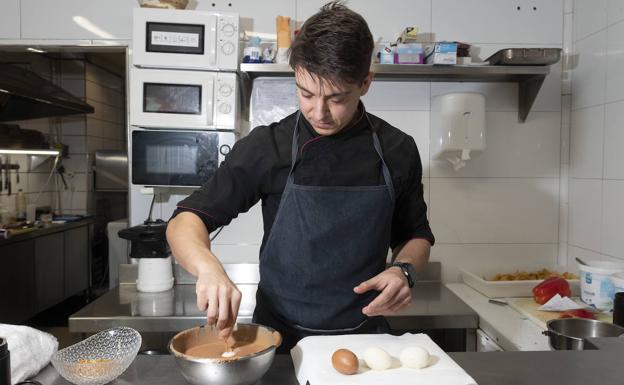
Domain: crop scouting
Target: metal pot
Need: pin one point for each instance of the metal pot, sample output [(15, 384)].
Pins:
[(244, 370), (570, 333)]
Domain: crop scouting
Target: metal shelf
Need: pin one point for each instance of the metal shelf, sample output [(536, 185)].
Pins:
[(529, 78)]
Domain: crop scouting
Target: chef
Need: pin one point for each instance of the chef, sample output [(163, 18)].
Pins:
[(338, 186)]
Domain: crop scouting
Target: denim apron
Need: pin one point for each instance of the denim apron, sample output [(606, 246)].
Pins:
[(325, 240)]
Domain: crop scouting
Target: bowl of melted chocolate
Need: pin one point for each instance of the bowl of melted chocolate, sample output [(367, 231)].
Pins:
[(204, 358)]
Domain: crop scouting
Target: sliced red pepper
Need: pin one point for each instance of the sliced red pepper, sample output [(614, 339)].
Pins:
[(577, 313), (550, 287)]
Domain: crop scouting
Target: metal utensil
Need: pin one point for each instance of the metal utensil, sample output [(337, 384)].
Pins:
[(525, 56), (580, 261), (570, 333)]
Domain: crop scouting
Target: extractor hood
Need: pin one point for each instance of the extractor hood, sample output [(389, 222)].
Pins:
[(26, 95)]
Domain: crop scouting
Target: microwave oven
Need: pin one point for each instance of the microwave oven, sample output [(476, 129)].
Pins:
[(185, 39), (177, 158), (183, 99)]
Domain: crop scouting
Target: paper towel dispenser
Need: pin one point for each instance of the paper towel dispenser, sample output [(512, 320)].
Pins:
[(457, 127)]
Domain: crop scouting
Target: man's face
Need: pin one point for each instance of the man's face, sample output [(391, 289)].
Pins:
[(328, 107)]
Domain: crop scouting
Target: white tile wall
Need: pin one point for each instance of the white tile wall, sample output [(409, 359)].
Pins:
[(591, 17), (475, 21), (614, 141), (495, 210), (386, 19), (405, 96), (585, 213), (77, 19), (588, 87), (254, 15), (612, 216), (596, 208), (10, 19), (615, 62), (615, 11), (586, 142)]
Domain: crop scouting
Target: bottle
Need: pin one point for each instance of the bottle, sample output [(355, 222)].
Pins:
[(20, 206), (4, 215), (618, 309)]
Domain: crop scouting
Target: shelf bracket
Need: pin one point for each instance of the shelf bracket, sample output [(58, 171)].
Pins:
[(527, 92)]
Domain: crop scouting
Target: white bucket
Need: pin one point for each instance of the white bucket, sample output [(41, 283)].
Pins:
[(597, 288), (618, 282)]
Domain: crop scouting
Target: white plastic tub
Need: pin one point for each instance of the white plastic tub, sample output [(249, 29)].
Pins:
[(618, 282), (597, 288)]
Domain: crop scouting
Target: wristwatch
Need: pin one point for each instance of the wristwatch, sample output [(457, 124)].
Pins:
[(406, 268)]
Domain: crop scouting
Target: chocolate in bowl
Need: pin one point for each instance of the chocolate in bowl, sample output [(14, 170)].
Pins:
[(198, 354)]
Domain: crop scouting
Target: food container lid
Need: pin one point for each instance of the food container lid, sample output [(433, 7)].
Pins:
[(602, 267)]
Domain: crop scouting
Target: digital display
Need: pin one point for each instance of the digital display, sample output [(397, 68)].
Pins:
[(175, 38), (172, 98)]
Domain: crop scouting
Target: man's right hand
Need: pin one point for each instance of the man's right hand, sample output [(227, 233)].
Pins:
[(220, 298)]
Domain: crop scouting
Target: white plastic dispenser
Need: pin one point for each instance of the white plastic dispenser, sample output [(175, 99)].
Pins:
[(457, 127)]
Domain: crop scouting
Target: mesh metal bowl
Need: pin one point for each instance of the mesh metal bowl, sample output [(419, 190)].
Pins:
[(100, 358)]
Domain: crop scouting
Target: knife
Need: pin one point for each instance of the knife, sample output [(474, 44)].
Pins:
[(1, 166), (7, 174)]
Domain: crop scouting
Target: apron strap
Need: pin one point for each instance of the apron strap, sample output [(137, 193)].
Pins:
[(384, 167)]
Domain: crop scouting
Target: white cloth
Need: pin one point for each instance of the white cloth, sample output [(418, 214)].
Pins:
[(559, 303), (30, 349), (312, 361)]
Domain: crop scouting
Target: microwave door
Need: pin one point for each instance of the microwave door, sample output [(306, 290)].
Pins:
[(174, 158)]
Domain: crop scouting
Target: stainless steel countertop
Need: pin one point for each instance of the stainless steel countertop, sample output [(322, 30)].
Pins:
[(492, 368), (433, 307)]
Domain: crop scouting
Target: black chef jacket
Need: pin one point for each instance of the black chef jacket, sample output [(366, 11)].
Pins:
[(257, 168)]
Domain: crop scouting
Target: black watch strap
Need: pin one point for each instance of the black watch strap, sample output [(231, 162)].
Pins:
[(406, 268)]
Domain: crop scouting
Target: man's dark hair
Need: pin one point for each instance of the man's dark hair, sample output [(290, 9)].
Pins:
[(335, 44)]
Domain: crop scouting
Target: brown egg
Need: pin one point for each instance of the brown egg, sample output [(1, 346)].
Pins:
[(345, 361)]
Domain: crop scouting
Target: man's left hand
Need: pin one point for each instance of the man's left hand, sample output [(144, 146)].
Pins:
[(394, 295)]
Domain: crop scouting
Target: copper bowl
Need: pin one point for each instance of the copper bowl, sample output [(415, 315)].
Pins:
[(241, 370)]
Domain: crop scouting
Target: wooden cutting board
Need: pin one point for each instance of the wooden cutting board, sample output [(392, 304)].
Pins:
[(528, 307)]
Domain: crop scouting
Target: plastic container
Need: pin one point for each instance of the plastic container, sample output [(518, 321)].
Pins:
[(618, 282), (20, 206), (597, 288)]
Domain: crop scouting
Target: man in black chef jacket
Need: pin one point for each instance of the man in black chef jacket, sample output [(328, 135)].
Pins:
[(338, 185)]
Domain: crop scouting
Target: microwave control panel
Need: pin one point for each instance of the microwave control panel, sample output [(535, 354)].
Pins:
[(225, 100)]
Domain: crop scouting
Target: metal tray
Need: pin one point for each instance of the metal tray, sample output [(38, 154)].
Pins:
[(525, 56)]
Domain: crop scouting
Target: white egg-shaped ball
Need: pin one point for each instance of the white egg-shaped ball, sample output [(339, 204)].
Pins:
[(377, 358), (414, 357)]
